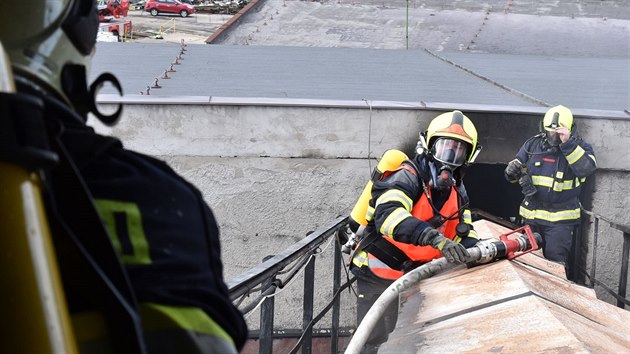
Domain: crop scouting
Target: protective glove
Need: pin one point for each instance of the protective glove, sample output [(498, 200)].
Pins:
[(453, 251), (513, 169), (527, 185)]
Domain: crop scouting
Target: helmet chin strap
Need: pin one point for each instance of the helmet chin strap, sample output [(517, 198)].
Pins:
[(83, 98)]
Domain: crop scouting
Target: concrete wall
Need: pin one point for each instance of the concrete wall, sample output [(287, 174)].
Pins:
[(272, 171)]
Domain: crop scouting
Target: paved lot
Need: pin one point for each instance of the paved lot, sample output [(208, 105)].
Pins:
[(194, 29)]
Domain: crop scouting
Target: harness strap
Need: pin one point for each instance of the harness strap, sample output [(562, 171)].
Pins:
[(391, 255), (386, 252)]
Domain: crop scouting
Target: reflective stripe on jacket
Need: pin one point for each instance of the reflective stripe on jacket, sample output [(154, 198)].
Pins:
[(558, 175), (423, 211)]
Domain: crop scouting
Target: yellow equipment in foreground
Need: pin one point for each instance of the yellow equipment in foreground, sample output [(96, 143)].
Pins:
[(35, 314)]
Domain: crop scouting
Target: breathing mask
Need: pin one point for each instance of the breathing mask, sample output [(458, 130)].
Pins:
[(448, 154)]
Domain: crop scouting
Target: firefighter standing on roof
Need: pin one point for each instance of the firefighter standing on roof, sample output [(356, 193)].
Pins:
[(551, 168), (416, 213)]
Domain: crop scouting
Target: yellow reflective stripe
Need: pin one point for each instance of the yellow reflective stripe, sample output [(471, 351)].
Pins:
[(131, 233), (393, 220), (369, 215), (542, 181), (395, 196), (467, 217), (593, 158), (360, 259), (570, 214), (557, 186), (473, 234), (559, 174), (563, 185), (457, 239), (160, 317), (575, 155)]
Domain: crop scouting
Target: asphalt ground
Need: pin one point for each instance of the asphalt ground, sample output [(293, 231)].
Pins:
[(195, 28)]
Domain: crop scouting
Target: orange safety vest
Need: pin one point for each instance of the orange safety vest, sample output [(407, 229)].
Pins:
[(423, 211)]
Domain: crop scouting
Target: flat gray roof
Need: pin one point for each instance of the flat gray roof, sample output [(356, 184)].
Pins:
[(465, 52)]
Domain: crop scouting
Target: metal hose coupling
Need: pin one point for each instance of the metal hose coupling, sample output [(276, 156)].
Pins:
[(510, 245)]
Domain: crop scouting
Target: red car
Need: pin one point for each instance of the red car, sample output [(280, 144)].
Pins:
[(156, 7)]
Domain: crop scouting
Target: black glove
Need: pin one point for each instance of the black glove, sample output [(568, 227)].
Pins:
[(513, 169), (453, 251), (527, 185)]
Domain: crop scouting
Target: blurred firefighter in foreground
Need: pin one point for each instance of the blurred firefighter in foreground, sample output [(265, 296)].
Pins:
[(417, 212), (162, 231), (551, 168)]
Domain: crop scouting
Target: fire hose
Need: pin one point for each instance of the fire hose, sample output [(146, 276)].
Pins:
[(484, 251)]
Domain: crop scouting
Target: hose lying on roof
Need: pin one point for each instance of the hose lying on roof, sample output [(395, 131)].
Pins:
[(483, 252)]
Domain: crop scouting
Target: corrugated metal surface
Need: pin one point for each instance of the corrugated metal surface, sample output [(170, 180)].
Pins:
[(520, 306)]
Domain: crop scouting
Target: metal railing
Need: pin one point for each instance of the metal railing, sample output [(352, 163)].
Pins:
[(265, 278), (620, 294)]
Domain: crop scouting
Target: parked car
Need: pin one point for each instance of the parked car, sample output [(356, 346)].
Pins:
[(156, 7)]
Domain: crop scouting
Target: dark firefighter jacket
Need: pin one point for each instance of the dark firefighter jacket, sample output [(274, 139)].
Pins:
[(558, 173), (165, 235), (400, 210)]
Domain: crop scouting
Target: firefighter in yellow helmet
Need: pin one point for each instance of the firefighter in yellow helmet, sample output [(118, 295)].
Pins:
[(417, 213), (551, 168), (108, 205)]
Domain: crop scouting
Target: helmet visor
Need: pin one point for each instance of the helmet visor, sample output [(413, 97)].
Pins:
[(450, 151)]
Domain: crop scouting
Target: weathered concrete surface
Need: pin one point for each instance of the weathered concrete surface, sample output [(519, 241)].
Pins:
[(610, 199), (546, 27), (318, 131), (264, 205)]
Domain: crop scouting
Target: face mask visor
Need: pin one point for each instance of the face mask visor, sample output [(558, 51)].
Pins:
[(450, 151)]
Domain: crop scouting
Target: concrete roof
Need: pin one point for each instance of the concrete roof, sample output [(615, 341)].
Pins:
[(492, 53)]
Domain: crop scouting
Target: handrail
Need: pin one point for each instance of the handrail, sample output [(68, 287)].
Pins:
[(301, 258), (620, 294), (245, 282)]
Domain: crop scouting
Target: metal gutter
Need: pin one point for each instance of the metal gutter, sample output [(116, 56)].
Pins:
[(350, 104)]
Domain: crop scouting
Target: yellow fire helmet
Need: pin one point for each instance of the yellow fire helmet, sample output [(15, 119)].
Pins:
[(45, 37), (453, 125), (558, 116)]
